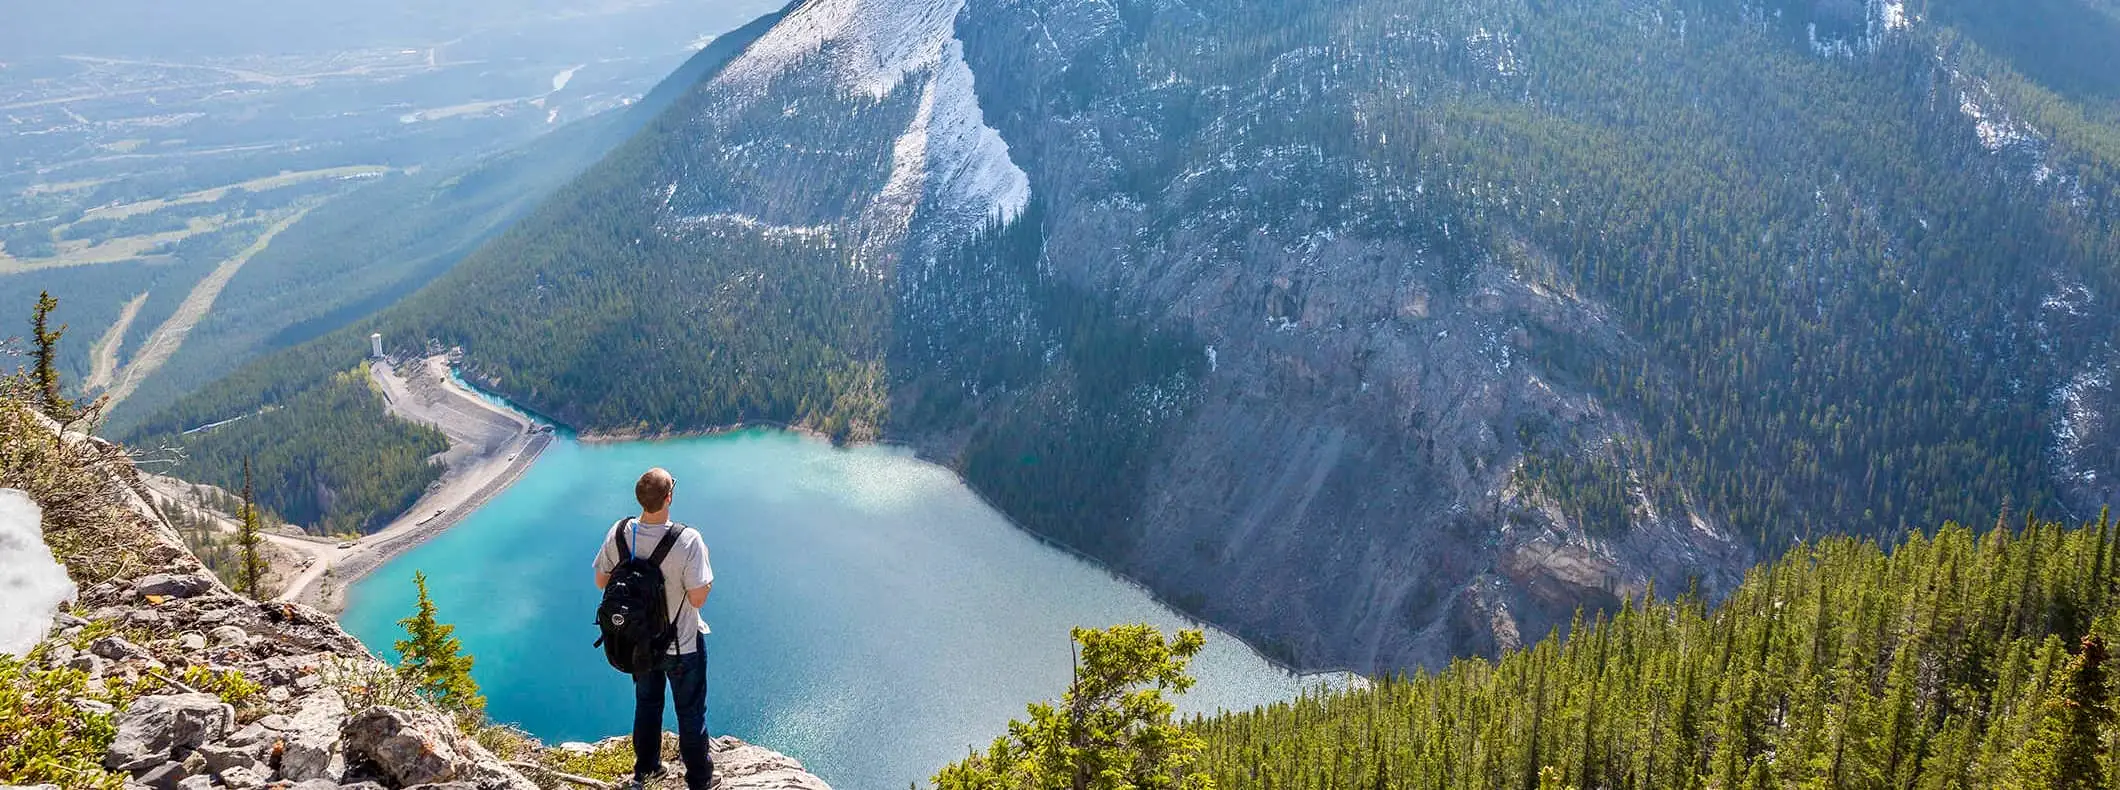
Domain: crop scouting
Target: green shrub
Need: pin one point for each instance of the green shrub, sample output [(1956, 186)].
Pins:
[(44, 737)]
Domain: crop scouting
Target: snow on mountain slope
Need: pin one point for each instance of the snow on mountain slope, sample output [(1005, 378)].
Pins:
[(949, 158)]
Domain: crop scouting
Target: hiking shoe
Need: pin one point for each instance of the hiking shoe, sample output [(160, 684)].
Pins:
[(649, 780)]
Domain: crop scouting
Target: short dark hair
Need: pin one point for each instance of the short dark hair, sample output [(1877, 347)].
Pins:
[(654, 489)]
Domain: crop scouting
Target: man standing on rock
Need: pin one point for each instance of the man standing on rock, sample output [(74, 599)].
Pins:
[(687, 578)]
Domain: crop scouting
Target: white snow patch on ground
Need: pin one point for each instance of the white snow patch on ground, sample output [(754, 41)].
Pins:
[(755, 225), (2077, 421), (974, 167), (1893, 13), (876, 43), (31, 582), (1497, 48), (1991, 120)]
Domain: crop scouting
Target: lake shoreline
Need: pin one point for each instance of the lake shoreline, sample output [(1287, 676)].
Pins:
[(862, 586), (611, 437), (491, 448)]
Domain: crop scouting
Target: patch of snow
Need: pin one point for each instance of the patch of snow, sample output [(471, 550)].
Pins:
[(1496, 48), (1893, 15), (2070, 298), (980, 172), (31, 581), (1992, 121), (755, 225), (948, 154), (874, 45), (2076, 421)]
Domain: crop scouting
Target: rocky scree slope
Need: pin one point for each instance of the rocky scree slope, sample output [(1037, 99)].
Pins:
[(299, 702), (1379, 332)]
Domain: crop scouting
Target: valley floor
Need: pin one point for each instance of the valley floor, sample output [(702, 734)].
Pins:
[(489, 449)]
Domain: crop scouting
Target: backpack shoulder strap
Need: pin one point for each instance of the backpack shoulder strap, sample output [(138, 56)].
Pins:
[(669, 539), (618, 538)]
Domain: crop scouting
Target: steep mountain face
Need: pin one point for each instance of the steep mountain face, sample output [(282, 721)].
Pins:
[(1379, 331)]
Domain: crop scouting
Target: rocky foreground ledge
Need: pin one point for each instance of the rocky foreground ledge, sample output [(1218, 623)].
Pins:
[(281, 697), (214, 690)]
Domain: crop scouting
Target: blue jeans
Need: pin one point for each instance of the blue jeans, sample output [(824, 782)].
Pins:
[(687, 676)]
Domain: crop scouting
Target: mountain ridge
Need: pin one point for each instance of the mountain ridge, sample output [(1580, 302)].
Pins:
[(1381, 333)]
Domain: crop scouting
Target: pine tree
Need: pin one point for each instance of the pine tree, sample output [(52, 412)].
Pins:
[(253, 569), (434, 659), (2063, 755), (1112, 730), (46, 374)]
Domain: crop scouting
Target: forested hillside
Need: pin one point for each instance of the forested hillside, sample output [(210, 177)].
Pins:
[(325, 453), (1379, 331), (1959, 661)]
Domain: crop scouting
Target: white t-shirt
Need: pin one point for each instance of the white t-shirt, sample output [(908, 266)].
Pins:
[(684, 568)]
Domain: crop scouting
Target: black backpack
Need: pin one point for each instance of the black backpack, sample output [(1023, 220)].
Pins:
[(634, 617)]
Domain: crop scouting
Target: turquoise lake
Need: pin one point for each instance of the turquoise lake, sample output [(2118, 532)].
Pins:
[(871, 616)]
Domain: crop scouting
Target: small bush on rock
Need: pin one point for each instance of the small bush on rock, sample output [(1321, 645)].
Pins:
[(367, 684), (232, 687)]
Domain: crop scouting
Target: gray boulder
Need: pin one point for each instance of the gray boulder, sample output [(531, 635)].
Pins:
[(241, 778), (87, 662), (228, 636), (313, 740), (221, 757), (174, 585), (738, 764), (152, 729), (200, 782), (145, 620), (164, 777), (118, 648), (406, 747)]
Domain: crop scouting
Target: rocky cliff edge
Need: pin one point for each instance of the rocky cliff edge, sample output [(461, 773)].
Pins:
[(219, 691)]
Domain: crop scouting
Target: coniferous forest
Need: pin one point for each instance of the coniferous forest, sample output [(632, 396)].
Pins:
[(1819, 267), (1962, 660)]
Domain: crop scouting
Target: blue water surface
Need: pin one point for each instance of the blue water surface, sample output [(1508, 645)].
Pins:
[(871, 616)]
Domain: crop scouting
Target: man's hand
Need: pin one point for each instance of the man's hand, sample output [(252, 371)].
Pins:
[(602, 580), (699, 597)]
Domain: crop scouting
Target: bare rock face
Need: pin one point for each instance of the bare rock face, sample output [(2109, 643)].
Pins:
[(154, 730), (311, 745), (741, 766), (412, 748)]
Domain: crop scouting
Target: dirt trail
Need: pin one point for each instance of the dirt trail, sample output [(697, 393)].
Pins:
[(168, 337), (103, 367)]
